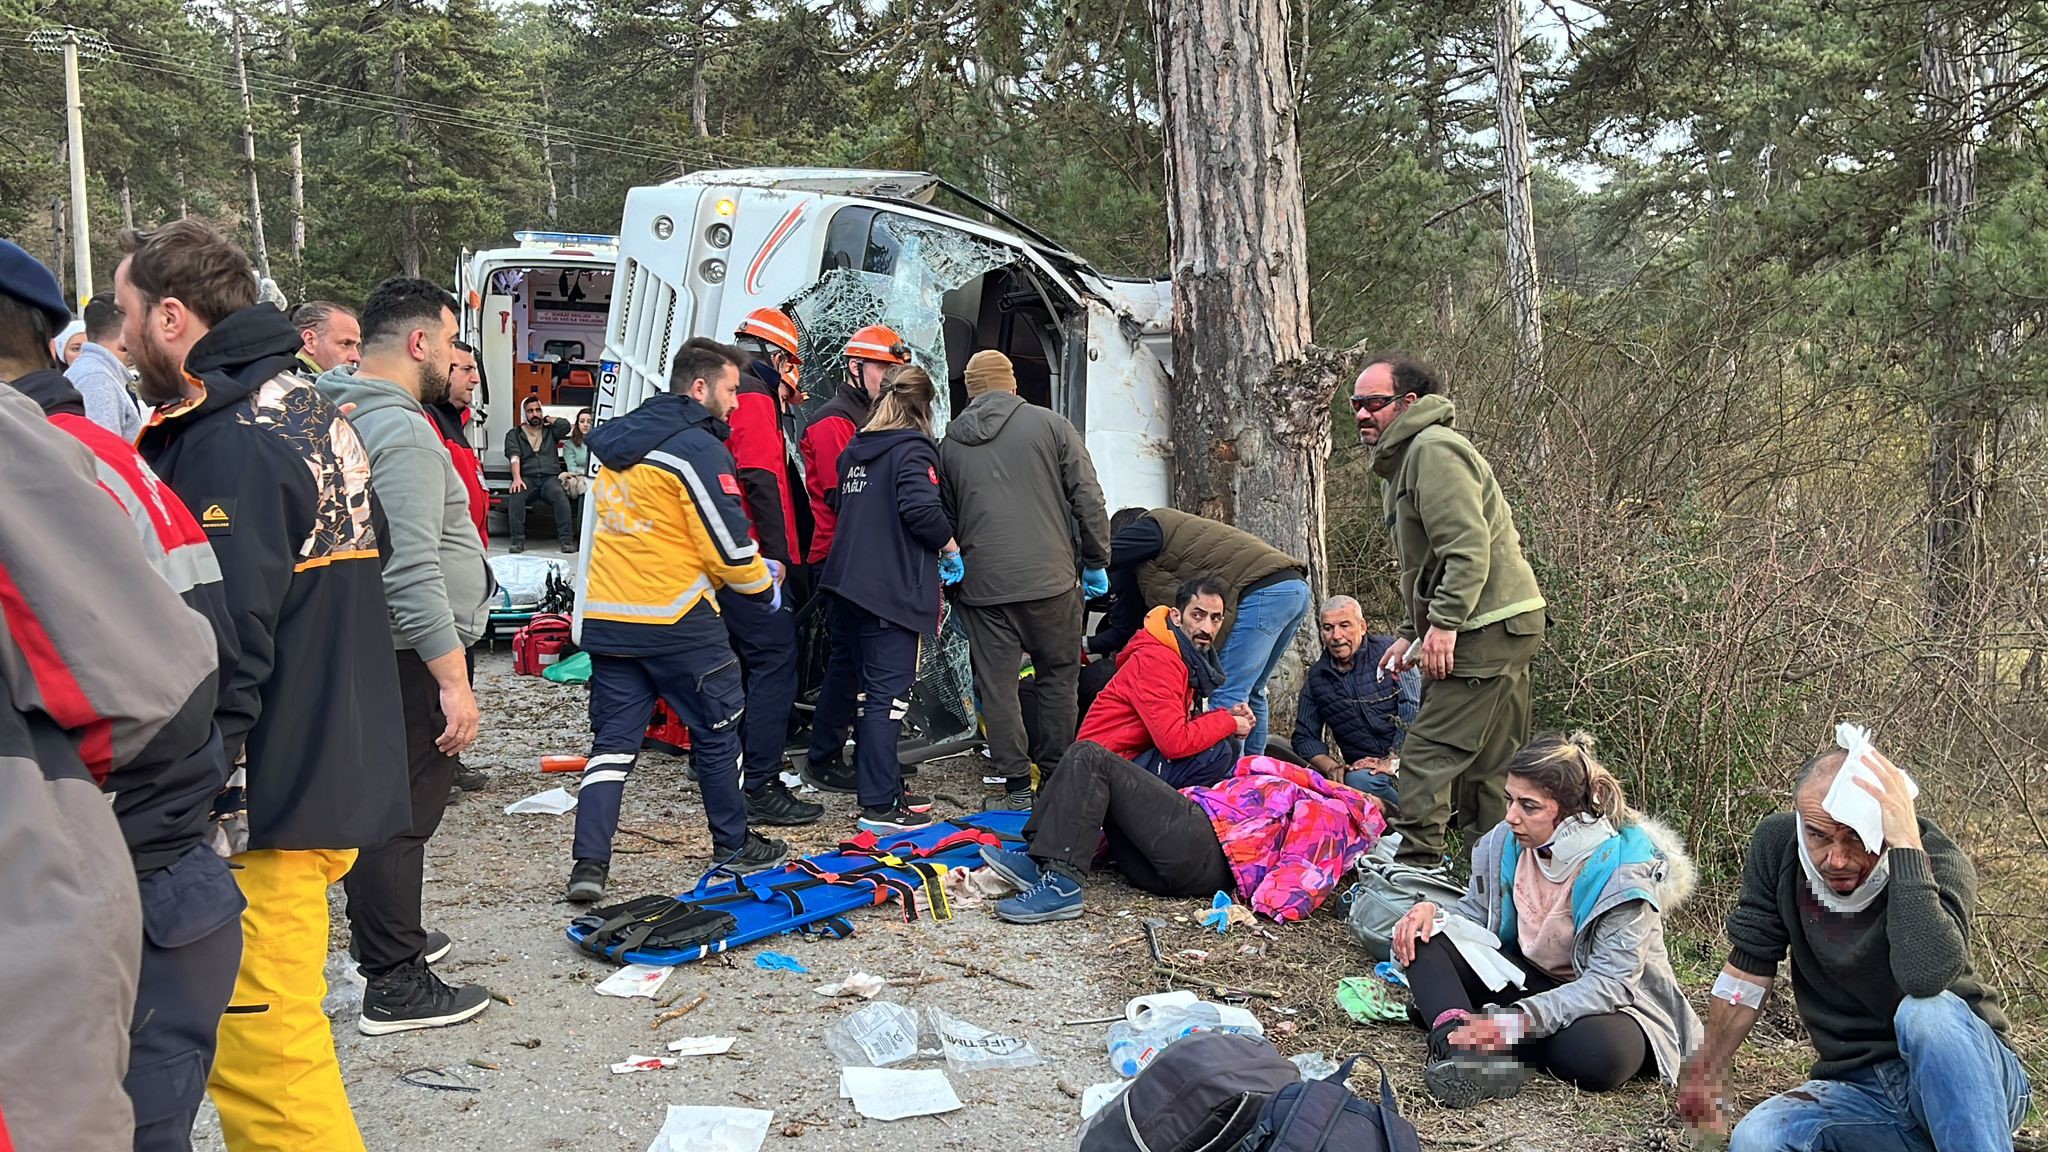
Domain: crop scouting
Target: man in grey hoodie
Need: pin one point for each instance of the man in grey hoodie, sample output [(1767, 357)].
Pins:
[(436, 583), (1018, 483)]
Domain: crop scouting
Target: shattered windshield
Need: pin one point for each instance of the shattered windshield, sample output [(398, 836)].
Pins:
[(928, 262)]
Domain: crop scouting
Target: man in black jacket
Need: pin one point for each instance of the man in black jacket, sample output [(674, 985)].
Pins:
[(534, 449), (1019, 483), (309, 714)]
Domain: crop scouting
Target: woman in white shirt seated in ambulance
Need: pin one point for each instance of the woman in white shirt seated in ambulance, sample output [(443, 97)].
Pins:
[(1572, 888)]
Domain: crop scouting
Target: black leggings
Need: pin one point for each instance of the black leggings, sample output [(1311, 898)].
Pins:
[(1594, 1053), (1161, 841)]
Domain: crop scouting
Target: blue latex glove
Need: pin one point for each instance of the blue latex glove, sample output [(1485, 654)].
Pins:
[(1218, 915), (777, 961), (951, 568), (1094, 583), (775, 573)]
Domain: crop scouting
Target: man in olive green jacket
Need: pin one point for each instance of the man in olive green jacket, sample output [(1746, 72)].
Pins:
[(1474, 617)]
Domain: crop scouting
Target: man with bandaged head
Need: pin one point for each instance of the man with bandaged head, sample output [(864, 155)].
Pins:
[(1873, 902)]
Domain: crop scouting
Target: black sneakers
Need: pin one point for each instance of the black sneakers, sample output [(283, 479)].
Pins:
[(776, 807), (469, 779), (758, 854), (413, 997), (891, 820), (833, 775), (586, 881), (437, 949)]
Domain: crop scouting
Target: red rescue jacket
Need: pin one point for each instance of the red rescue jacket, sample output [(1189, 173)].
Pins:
[(761, 442), (827, 435), (450, 422)]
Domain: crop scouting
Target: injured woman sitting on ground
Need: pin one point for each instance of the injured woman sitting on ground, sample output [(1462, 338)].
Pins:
[(1554, 958)]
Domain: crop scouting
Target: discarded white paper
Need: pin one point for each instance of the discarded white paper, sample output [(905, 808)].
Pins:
[(796, 783), (702, 1128), (701, 1045), (862, 984), (1095, 1096), (644, 1064), (553, 802), (895, 1093), (635, 980)]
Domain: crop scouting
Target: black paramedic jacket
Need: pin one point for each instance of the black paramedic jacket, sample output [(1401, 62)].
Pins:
[(891, 526), (281, 486)]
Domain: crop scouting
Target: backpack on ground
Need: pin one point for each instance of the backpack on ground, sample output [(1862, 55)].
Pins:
[(651, 922), (1384, 893), (543, 640), (1203, 1093), (1325, 1116)]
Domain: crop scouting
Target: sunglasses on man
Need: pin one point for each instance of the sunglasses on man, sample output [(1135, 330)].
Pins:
[(1372, 403)]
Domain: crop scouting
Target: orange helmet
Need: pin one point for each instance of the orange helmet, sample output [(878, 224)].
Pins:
[(880, 343), (772, 326)]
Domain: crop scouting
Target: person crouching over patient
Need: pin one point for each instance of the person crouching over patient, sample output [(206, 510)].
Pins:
[(1574, 887)]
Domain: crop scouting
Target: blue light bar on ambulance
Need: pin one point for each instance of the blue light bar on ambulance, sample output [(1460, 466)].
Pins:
[(561, 241)]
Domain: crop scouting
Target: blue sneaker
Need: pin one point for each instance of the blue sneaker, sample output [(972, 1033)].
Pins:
[(1019, 870), (1054, 897)]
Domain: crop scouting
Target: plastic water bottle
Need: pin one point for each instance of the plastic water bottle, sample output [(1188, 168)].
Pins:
[(1133, 1046)]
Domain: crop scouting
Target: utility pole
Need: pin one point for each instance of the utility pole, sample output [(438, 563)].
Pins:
[(71, 41), (262, 252)]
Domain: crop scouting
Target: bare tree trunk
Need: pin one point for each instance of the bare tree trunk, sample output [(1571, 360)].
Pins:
[(1251, 398), (547, 155), (261, 251), (178, 156), (698, 95), (57, 240), (408, 217), (126, 196), (1525, 303), (1956, 427), (298, 150)]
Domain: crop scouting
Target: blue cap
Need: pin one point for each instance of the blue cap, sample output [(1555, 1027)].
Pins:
[(24, 277)]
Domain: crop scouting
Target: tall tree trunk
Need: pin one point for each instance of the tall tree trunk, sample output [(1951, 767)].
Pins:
[(699, 98), (126, 196), (298, 150), (408, 217), (1525, 303), (1955, 429), (178, 156), (547, 155), (261, 247), (57, 238), (1251, 400)]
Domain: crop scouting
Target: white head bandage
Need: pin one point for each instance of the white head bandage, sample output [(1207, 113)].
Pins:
[(1739, 992)]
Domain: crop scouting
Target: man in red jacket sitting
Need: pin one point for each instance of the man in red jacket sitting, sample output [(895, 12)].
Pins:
[(1149, 735)]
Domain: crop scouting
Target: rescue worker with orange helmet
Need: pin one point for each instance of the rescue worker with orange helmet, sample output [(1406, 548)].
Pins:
[(762, 438), (870, 352)]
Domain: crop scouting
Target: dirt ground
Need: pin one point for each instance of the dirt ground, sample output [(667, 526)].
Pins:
[(539, 1063)]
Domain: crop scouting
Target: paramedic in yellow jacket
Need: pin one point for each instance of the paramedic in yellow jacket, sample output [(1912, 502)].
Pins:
[(670, 532)]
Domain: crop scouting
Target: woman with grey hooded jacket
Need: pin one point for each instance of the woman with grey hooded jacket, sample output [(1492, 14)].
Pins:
[(1571, 890)]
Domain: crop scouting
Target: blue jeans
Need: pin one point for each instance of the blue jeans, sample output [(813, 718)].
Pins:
[(1953, 1076), (1266, 623), (1379, 787)]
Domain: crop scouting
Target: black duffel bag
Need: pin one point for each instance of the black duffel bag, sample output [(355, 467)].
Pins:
[(1203, 1093)]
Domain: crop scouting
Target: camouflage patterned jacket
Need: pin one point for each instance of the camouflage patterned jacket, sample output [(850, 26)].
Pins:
[(281, 486)]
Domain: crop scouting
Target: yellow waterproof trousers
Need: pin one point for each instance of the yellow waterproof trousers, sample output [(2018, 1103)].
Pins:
[(275, 1079)]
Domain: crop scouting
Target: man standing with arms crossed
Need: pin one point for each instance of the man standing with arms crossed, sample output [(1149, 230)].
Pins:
[(1020, 488), (436, 584), (1474, 614), (309, 713)]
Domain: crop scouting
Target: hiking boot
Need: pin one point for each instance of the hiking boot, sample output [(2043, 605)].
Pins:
[(1468, 1078), (916, 803), (437, 949), (893, 819), (759, 853), (1054, 897), (413, 997), (1440, 1034), (1018, 801), (568, 546), (471, 779), (832, 775), (518, 546), (774, 806), (1017, 870), (586, 881)]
